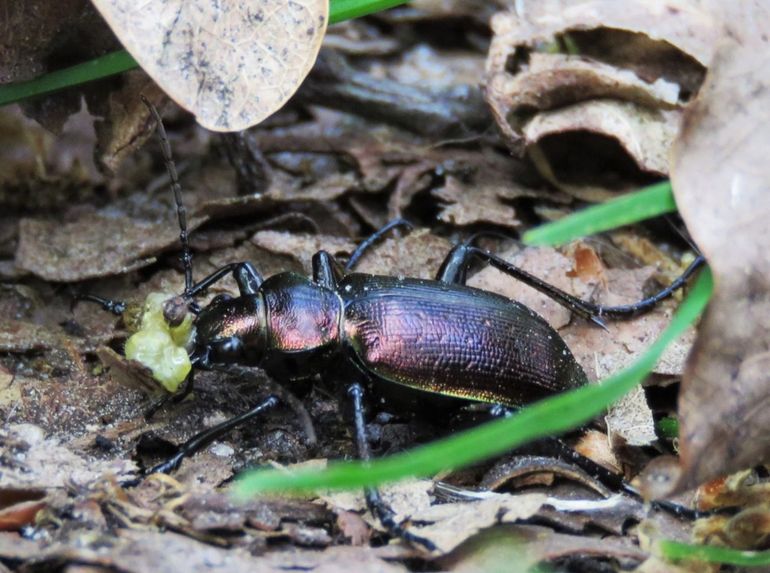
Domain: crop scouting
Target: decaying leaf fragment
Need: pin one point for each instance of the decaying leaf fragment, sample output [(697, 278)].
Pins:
[(621, 71), (91, 246), (721, 178), (230, 63)]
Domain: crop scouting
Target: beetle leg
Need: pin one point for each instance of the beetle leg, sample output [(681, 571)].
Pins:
[(116, 307), (373, 238), (204, 438), (454, 269), (374, 501), (455, 266), (556, 448), (645, 305), (327, 271), (246, 276)]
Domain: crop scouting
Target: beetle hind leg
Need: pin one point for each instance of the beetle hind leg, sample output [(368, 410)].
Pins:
[(454, 270), (374, 501)]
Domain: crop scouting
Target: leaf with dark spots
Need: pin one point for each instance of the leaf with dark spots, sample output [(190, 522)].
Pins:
[(230, 64)]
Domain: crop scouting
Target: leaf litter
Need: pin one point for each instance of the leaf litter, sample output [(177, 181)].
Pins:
[(73, 410)]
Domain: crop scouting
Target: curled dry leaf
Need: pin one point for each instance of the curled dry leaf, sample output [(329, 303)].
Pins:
[(646, 134), (125, 123), (625, 75), (720, 174), (231, 64)]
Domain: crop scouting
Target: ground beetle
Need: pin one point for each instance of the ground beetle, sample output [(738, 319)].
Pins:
[(420, 342)]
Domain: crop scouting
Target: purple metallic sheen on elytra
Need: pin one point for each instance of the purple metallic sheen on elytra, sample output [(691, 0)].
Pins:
[(455, 340), (301, 315)]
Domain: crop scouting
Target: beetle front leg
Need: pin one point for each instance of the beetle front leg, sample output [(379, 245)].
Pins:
[(246, 277), (204, 438), (374, 501), (116, 307)]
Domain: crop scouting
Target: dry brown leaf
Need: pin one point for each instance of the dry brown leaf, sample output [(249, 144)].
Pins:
[(517, 548), (482, 188), (302, 247), (94, 245), (231, 64), (450, 524), (23, 336), (409, 499), (18, 507), (123, 122), (720, 175), (419, 254), (625, 75), (630, 421)]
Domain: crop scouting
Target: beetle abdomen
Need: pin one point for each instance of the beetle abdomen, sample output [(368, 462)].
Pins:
[(455, 340)]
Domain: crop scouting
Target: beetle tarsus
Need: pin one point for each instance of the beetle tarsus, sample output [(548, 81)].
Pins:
[(386, 516), (116, 307)]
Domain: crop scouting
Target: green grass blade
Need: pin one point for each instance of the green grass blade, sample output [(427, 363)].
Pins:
[(668, 427), (122, 61), (341, 10), (675, 551), (649, 202), (96, 69), (545, 418)]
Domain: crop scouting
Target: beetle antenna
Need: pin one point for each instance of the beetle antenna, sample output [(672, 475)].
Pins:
[(181, 211)]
